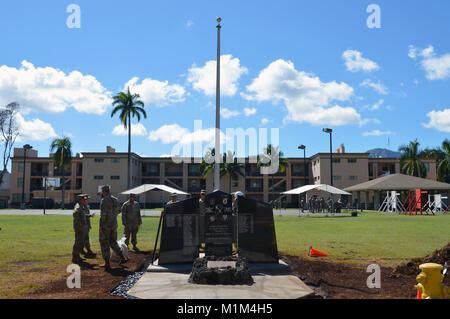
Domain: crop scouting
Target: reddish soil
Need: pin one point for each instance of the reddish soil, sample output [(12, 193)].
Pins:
[(96, 283), (328, 279)]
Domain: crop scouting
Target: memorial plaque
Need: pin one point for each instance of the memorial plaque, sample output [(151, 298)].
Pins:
[(218, 225), (180, 234), (256, 231)]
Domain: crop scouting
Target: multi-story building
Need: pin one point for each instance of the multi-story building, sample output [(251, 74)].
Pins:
[(86, 173)]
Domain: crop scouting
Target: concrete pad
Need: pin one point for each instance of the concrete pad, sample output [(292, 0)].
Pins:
[(175, 285)]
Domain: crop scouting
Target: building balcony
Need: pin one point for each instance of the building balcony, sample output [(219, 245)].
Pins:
[(39, 173), (253, 173), (254, 189), (152, 174), (196, 174)]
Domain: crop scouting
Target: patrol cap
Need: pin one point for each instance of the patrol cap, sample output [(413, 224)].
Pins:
[(105, 188), (174, 194), (132, 195), (237, 194), (83, 196), (203, 192)]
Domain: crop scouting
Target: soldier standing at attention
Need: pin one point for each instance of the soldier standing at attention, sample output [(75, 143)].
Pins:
[(131, 219), (109, 209), (87, 229), (202, 202), (79, 225)]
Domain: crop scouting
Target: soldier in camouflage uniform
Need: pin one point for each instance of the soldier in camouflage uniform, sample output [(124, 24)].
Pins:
[(109, 209), (79, 225), (131, 220), (87, 229)]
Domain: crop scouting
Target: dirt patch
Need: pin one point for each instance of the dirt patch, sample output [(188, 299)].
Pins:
[(438, 256), (96, 283), (345, 281)]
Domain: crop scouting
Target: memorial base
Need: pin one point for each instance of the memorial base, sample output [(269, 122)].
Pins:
[(213, 270)]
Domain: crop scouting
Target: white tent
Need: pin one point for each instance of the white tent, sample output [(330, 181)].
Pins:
[(148, 187), (320, 187)]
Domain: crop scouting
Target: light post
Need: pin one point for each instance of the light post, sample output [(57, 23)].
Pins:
[(217, 137), (303, 147), (330, 131), (25, 148)]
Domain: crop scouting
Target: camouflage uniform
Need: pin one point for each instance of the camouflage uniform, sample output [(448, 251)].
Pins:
[(79, 225), (87, 228), (109, 209), (131, 218)]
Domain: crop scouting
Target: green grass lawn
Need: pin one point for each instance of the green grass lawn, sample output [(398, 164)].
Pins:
[(35, 249)]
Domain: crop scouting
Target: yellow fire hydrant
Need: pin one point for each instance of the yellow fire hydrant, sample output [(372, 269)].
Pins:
[(430, 283)]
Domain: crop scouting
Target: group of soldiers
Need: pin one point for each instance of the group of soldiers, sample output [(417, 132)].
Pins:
[(320, 205), (109, 209)]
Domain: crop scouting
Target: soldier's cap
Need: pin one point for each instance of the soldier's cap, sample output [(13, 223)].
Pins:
[(83, 196), (132, 195), (105, 188), (237, 194), (203, 192), (174, 194)]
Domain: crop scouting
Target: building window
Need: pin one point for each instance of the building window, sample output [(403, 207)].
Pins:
[(235, 184), (115, 177), (98, 177), (19, 182), (353, 178), (17, 198), (115, 160), (336, 160), (20, 166), (99, 160), (427, 166), (336, 178), (351, 160)]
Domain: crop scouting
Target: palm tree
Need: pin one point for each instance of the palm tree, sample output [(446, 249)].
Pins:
[(410, 160), (233, 169), (267, 154), (62, 157), (129, 106), (442, 156)]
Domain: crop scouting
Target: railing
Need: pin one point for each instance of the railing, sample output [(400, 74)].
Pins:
[(194, 189), (39, 173), (195, 174), (253, 173), (174, 173), (254, 189), (150, 174)]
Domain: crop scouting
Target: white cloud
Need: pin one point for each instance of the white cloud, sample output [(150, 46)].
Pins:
[(136, 130), (436, 68), (264, 121), (306, 97), (226, 113), (376, 106), (173, 133), (159, 93), (249, 111), (377, 133), (51, 90), (439, 120), (204, 78), (189, 23), (378, 87), (34, 130), (355, 62)]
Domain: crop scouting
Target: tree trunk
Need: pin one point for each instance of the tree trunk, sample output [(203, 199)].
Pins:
[(129, 151), (63, 185)]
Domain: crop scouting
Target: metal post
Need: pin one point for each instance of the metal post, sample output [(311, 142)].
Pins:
[(331, 158), (217, 140), (25, 148), (45, 193)]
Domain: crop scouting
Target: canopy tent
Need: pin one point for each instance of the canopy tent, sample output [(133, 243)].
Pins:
[(398, 182), (320, 187), (149, 187)]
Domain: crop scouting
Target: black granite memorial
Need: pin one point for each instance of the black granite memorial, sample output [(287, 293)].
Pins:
[(218, 225), (184, 229), (180, 238)]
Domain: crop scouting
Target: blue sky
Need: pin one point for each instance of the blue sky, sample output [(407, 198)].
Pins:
[(286, 65)]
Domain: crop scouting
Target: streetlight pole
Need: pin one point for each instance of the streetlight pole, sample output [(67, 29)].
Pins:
[(217, 140), (330, 131), (303, 147), (25, 148)]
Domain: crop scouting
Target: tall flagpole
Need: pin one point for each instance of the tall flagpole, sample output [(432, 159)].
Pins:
[(217, 147)]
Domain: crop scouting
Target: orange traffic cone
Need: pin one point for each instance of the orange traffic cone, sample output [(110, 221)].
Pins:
[(314, 252), (419, 295)]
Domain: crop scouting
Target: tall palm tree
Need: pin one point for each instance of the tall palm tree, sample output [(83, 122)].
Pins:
[(410, 160), (282, 162), (62, 157), (442, 156), (232, 169), (129, 106)]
